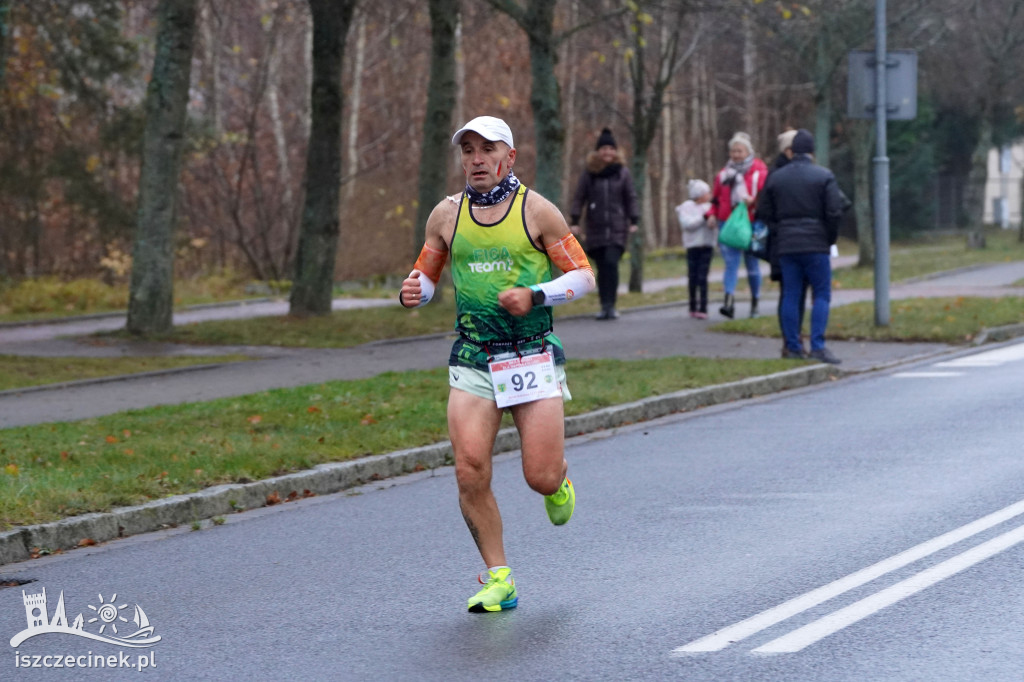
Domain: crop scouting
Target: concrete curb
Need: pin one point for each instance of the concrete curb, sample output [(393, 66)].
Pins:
[(16, 545), (997, 334)]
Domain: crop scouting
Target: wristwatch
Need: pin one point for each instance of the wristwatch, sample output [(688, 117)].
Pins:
[(538, 295)]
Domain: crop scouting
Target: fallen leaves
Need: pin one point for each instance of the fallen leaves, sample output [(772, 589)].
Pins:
[(275, 497)]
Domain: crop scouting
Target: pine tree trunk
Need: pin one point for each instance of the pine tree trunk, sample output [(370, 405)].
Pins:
[(151, 300), (313, 285)]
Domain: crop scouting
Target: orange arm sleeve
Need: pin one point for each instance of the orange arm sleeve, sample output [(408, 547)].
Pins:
[(567, 254), (431, 262)]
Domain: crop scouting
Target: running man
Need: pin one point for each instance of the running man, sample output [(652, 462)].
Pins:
[(503, 240)]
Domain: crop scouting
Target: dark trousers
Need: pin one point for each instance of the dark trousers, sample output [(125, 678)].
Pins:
[(606, 260), (698, 265), (802, 306), (816, 269)]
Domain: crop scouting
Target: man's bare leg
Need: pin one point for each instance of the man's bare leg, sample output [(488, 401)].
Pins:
[(541, 426), (473, 424)]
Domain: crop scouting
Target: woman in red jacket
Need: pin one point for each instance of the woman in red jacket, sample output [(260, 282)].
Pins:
[(739, 181)]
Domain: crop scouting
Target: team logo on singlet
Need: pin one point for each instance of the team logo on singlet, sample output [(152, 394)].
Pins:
[(494, 259)]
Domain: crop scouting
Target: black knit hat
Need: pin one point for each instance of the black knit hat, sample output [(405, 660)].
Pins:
[(605, 138), (803, 142)]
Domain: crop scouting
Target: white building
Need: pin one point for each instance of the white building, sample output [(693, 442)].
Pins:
[(1003, 186)]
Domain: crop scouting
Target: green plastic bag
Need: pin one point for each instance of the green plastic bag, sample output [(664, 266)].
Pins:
[(737, 232)]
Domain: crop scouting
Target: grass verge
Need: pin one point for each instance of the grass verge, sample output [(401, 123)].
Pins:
[(53, 471), (936, 320), (927, 256), (19, 371)]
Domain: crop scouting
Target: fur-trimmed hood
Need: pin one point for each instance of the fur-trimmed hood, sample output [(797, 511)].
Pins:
[(595, 165)]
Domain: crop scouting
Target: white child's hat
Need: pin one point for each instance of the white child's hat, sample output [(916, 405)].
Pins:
[(698, 188)]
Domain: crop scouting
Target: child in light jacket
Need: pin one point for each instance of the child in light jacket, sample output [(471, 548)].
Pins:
[(699, 239)]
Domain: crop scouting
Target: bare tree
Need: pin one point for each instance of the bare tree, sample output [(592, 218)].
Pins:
[(651, 72), (537, 19)]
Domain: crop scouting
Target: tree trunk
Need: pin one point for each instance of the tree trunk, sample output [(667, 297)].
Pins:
[(664, 182), (151, 300), (571, 68), (750, 118), (437, 121), (276, 122), (318, 238), (861, 139), (545, 99), (5, 15), (823, 104), (211, 32), (974, 193), (638, 168), (353, 116)]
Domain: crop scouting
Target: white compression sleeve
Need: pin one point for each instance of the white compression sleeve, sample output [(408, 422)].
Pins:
[(568, 287), (427, 288)]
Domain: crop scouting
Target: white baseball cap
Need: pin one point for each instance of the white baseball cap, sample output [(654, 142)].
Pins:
[(489, 128)]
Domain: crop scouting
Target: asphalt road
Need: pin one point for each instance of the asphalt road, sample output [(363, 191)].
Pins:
[(684, 526)]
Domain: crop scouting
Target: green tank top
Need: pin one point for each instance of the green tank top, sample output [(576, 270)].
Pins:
[(486, 260)]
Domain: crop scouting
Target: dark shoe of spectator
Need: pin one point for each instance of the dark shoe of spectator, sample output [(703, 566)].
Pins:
[(825, 355), (603, 315), (753, 307), (613, 314), (793, 354), (729, 309)]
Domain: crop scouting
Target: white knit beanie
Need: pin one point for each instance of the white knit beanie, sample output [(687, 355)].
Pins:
[(697, 188), (743, 139)]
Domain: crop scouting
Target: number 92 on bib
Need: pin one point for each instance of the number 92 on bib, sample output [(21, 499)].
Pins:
[(524, 379)]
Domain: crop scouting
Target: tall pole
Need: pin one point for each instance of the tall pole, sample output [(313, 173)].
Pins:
[(881, 166)]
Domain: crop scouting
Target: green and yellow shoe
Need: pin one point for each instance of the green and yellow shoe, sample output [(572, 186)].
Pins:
[(561, 504), (497, 594)]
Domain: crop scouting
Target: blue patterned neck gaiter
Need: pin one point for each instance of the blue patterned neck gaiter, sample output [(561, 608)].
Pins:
[(497, 195)]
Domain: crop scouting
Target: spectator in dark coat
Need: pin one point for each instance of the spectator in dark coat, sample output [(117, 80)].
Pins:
[(802, 205), (785, 153), (606, 194)]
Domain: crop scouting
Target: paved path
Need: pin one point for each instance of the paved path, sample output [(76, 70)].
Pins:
[(644, 333)]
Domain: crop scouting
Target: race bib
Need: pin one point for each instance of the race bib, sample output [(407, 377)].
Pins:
[(524, 379)]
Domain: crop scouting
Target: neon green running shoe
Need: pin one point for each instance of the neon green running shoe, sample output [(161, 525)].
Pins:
[(497, 594), (561, 505)]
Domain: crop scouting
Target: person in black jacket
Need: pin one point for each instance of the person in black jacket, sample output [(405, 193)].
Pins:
[(605, 191), (802, 205)]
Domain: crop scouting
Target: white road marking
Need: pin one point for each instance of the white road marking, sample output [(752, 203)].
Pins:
[(926, 375), (719, 640), (991, 358), (832, 623)]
